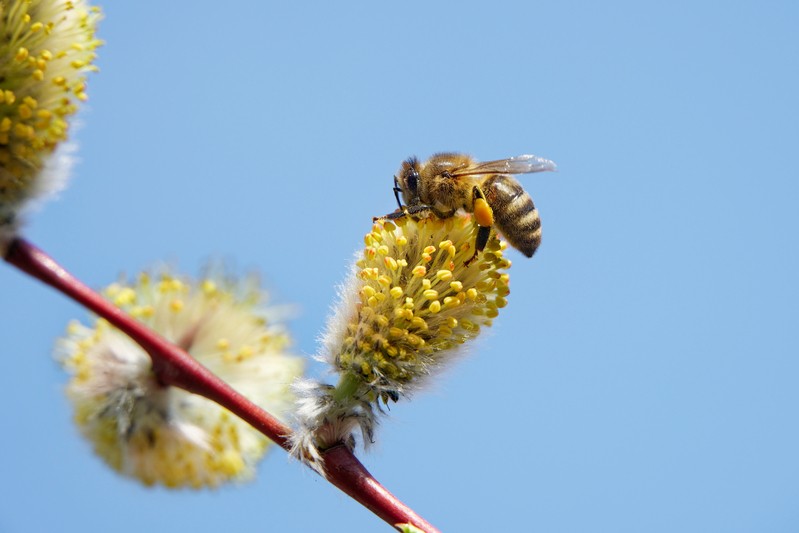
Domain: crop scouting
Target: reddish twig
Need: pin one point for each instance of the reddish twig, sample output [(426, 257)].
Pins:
[(175, 367)]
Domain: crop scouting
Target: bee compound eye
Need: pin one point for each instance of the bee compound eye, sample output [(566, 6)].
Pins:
[(413, 180)]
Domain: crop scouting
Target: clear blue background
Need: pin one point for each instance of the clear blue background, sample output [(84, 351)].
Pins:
[(642, 379)]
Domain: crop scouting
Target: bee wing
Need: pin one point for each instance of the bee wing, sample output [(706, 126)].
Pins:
[(523, 164)]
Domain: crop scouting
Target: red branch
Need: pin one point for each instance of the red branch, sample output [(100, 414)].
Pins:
[(175, 367)]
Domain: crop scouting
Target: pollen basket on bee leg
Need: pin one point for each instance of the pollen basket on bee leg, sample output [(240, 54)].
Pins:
[(483, 213)]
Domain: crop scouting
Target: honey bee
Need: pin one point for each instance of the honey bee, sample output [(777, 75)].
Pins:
[(448, 181)]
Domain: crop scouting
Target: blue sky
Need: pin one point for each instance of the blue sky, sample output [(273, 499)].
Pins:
[(643, 376)]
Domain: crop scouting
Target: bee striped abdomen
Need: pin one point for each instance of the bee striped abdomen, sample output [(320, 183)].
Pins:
[(515, 215)]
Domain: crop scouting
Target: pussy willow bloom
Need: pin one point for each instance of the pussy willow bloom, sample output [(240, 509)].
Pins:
[(46, 50), (410, 304), (165, 435)]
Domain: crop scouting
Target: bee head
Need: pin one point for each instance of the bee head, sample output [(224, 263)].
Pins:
[(407, 182)]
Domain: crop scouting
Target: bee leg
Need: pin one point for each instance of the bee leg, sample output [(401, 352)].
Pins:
[(397, 191), (483, 233), (484, 216), (419, 211), (391, 216)]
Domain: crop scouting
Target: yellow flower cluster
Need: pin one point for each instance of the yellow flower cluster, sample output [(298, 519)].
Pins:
[(418, 298), (46, 49), (162, 434), (413, 299)]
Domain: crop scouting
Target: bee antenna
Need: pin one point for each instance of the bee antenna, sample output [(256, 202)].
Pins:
[(396, 192)]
